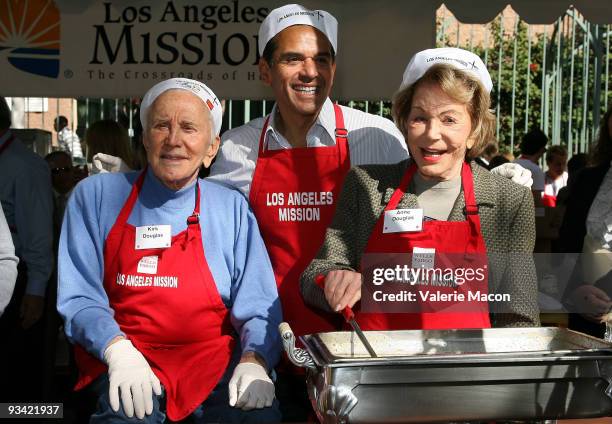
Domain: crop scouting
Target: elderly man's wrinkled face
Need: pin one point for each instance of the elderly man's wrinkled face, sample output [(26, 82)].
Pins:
[(178, 138), (437, 132)]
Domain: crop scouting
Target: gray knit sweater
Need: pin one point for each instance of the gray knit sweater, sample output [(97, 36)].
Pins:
[(507, 224)]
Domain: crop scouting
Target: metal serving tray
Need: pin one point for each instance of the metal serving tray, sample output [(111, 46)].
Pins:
[(423, 376)]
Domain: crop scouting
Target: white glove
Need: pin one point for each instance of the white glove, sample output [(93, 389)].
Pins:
[(130, 372), (102, 163), (250, 387), (515, 172)]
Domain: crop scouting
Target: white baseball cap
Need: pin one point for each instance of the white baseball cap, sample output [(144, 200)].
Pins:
[(459, 58), (295, 14), (193, 86)]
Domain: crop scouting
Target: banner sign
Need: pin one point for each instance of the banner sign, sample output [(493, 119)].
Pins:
[(65, 48)]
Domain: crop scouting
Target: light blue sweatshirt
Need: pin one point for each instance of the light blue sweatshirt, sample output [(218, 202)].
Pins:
[(232, 244)]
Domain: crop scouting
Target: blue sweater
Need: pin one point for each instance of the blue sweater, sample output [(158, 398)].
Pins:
[(233, 247)]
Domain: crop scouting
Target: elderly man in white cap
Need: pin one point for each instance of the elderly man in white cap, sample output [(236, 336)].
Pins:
[(164, 282)]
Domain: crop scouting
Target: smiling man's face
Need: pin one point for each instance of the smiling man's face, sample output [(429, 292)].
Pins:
[(302, 70)]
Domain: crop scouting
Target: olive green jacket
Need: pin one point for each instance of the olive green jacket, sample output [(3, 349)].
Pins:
[(507, 223)]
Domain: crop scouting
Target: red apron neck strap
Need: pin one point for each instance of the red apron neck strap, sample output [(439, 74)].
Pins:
[(467, 180), (340, 133), (262, 136), (194, 218), (471, 207), (403, 186), (131, 200)]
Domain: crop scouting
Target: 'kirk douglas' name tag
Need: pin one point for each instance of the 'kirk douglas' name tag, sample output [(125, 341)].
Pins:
[(403, 220), (153, 237)]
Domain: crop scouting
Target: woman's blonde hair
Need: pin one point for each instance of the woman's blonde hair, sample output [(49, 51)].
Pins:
[(461, 86), (111, 138)]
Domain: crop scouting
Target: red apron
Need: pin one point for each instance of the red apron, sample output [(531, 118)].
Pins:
[(460, 239), (182, 329), (294, 195)]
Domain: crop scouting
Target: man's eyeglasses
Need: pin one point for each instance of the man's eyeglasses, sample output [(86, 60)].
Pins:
[(56, 171)]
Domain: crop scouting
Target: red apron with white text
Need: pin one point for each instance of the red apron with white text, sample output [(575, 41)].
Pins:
[(460, 240), (175, 318), (294, 195)]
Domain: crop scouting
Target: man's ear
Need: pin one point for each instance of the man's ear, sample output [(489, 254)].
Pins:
[(265, 71), (212, 152)]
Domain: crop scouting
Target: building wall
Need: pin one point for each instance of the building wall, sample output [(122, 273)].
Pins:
[(41, 112)]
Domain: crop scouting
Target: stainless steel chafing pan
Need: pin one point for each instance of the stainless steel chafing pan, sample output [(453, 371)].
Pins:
[(424, 376)]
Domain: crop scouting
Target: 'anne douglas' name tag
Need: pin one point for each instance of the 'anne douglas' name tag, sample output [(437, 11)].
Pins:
[(403, 220), (153, 237)]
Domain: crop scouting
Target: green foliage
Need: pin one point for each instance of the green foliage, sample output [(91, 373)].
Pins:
[(370, 107), (550, 109)]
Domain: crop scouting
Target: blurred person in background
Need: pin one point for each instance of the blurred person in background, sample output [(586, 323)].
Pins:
[(574, 166), (8, 263), (555, 177), (587, 228), (498, 161), (67, 139), (533, 146), (27, 200), (108, 138), (63, 180), (488, 153), (507, 154)]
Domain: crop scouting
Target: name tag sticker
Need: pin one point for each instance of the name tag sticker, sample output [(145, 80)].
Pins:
[(153, 237), (148, 265), (423, 257), (403, 220)]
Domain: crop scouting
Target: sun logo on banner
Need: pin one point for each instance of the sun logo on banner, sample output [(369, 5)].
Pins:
[(30, 35)]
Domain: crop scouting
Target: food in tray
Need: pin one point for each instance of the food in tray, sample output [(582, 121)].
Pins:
[(345, 344)]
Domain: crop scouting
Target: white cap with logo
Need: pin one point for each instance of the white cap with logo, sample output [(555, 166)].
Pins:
[(459, 58), (196, 87), (295, 14)]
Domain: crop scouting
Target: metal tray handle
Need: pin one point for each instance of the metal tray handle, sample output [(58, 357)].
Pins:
[(297, 356)]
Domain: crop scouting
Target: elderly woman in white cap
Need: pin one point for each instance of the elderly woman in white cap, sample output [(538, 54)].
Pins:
[(437, 211), (164, 282)]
